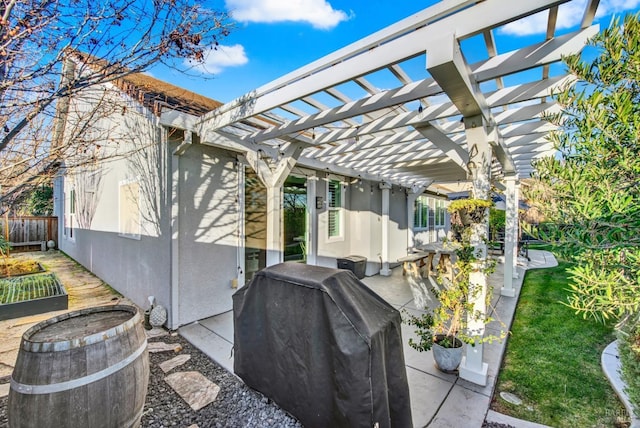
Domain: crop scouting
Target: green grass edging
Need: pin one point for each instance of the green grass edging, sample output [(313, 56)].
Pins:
[(552, 361), (629, 350)]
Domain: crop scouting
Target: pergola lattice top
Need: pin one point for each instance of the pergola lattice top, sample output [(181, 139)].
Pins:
[(447, 68)]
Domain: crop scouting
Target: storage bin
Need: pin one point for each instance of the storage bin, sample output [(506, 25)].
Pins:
[(356, 264)]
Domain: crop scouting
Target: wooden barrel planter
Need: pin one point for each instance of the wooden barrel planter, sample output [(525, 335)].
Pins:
[(88, 368)]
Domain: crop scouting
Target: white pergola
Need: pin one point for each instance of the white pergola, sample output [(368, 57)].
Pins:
[(413, 134), (460, 110)]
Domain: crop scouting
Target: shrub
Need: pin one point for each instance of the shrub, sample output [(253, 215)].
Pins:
[(629, 348)]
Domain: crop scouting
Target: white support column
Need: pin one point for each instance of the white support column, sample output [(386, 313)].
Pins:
[(312, 224), (385, 271), (274, 225), (511, 236), (273, 177), (241, 226), (516, 197), (473, 368)]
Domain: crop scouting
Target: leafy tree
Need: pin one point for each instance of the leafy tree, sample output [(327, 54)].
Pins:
[(42, 41), (591, 190), (41, 201)]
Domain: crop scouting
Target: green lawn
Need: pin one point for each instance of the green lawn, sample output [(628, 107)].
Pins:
[(552, 360)]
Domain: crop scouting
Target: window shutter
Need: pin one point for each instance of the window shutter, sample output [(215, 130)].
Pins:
[(335, 204)]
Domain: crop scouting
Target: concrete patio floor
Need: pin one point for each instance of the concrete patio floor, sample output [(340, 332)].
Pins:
[(437, 399)]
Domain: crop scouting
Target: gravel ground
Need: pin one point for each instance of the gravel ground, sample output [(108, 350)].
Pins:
[(236, 405)]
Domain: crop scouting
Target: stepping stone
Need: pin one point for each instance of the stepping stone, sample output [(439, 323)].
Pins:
[(194, 388), (169, 365), (4, 390), (511, 398), (156, 332), (163, 347)]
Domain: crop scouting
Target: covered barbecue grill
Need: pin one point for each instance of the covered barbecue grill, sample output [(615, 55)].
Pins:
[(323, 346)]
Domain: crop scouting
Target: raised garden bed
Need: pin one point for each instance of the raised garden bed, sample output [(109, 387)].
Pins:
[(17, 267), (30, 295)]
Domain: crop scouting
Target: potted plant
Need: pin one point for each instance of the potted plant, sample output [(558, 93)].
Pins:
[(447, 350), (446, 328), (469, 210)]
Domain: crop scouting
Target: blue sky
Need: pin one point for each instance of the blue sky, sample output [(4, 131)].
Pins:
[(274, 37)]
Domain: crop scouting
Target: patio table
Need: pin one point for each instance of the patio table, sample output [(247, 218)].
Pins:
[(419, 263), (445, 258), (445, 264)]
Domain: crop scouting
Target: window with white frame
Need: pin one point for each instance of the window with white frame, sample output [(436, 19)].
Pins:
[(421, 212), (70, 214), (129, 209), (440, 211), (335, 207)]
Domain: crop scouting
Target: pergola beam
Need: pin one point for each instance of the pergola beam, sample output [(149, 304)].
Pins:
[(527, 91), (453, 150), (589, 13), (379, 152), (532, 56), (447, 66), (356, 145), (526, 113)]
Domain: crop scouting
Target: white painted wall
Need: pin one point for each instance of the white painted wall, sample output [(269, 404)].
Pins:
[(139, 267), (208, 217), (363, 235), (209, 220)]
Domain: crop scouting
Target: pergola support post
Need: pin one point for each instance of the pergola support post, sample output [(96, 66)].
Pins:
[(274, 225), (516, 228), (312, 243), (384, 253), (511, 236), (473, 368), (273, 177)]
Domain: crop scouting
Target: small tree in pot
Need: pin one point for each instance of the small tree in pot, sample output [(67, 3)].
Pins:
[(446, 328)]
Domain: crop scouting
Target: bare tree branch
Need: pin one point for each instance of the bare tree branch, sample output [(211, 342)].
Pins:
[(104, 42)]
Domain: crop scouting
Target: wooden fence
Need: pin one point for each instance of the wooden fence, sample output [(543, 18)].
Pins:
[(29, 233)]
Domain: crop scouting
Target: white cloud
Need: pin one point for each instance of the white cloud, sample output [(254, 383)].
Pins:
[(569, 15), (216, 60), (616, 6), (319, 13)]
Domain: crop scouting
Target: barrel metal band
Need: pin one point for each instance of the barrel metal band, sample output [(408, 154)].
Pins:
[(81, 381)]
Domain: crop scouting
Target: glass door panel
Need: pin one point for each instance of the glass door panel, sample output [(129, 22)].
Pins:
[(295, 219)]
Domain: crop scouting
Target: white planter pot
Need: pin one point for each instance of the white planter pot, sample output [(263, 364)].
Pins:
[(447, 359)]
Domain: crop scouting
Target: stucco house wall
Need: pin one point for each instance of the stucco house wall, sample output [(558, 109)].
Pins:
[(136, 266), (208, 230)]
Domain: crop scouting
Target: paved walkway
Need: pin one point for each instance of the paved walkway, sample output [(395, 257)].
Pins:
[(85, 290), (438, 399)]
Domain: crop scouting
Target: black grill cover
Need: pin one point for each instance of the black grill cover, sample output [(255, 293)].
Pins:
[(323, 346)]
